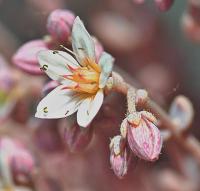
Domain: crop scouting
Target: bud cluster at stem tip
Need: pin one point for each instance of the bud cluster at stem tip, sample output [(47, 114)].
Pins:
[(139, 134)]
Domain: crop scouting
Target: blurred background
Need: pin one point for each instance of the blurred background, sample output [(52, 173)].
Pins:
[(159, 50)]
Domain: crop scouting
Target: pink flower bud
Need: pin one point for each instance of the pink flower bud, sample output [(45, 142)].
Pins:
[(22, 165), (144, 138), (20, 160), (164, 5), (78, 138), (8, 145), (118, 156), (191, 21), (191, 28), (26, 56), (59, 24)]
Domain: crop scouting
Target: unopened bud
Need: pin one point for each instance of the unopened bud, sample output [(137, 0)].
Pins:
[(22, 165), (26, 56), (181, 112), (59, 24), (118, 156), (144, 139), (164, 5), (191, 21), (19, 159)]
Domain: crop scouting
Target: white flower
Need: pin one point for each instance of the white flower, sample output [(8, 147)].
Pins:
[(82, 79)]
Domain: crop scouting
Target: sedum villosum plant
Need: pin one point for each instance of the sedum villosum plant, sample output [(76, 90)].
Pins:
[(83, 81), (82, 74)]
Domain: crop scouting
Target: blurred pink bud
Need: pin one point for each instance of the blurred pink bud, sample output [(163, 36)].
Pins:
[(164, 5), (191, 27), (118, 156), (59, 24), (98, 48), (22, 165), (50, 86), (20, 160), (181, 112), (8, 145), (144, 138), (78, 138), (26, 56)]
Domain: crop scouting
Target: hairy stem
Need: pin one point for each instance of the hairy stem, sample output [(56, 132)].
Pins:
[(189, 143), (131, 95)]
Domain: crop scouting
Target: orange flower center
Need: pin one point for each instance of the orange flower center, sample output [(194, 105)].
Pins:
[(85, 77)]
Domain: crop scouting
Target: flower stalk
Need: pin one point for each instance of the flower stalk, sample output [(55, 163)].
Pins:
[(189, 143)]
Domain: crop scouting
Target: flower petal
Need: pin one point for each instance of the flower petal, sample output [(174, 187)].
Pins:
[(106, 64), (56, 64), (59, 103), (89, 108), (157, 141), (82, 42)]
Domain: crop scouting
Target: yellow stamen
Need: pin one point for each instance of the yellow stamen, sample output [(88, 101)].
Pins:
[(87, 88), (86, 77), (91, 63)]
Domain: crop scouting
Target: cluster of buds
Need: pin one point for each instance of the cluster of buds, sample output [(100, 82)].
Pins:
[(59, 27), (163, 5), (139, 134), (191, 21), (17, 163), (80, 79)]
